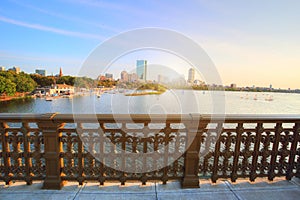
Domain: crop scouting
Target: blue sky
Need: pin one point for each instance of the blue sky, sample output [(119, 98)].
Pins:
[(250, 42)]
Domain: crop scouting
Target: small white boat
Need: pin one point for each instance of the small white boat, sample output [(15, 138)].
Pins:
[(269, 98), (48, 98)]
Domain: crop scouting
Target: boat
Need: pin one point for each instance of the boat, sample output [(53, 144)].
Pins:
[(99, 93), (269, 98), (48, 98)]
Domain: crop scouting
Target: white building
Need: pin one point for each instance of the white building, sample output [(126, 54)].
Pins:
[(191, 76)]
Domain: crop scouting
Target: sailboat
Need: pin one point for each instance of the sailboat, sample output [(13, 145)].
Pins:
[(99, 94), (269, 98)]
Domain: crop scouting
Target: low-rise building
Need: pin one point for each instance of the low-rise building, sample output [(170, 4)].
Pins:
[(41, 72), (57, 89), (15, 69)]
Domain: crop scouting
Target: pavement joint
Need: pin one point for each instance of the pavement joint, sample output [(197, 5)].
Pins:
[(79, 190), (296, 182), (155, 187), (232, 190)]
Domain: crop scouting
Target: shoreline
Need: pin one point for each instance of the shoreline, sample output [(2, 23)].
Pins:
[(144, 93), (11, 98)]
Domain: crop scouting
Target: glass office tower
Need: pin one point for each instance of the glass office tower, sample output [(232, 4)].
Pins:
[(141, 69)]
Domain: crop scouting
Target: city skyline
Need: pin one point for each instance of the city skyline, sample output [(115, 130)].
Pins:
[(131, 77), (249, 42)]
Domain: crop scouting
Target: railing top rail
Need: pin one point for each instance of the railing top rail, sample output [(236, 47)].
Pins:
[(29, 117), (141, 118), (135, 118), (248, 118)]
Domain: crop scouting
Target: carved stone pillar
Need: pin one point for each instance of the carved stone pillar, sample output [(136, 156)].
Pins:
[(191, 163), (53, 147)]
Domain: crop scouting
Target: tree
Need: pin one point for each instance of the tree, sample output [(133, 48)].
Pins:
[(69, 80), (43, 81), (24, 83), (107, 83), (84, 82), (7, 86)]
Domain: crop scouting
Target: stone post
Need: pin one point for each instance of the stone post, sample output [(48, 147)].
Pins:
[(52, 148), (191, 163)]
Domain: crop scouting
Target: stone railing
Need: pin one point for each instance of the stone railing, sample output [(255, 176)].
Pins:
[(56, 148)]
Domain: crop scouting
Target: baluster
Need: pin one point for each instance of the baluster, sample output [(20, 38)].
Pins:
[(5, 152), (15, 154), (167, 131), (28, 164), (123, 140), (144, 140), (293, 152), (101, 153), (278, 130), (216, 154), (80, 178), (239, 131), (259, 131)]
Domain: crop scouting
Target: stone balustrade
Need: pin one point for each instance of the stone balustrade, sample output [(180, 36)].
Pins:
[(63, 147)]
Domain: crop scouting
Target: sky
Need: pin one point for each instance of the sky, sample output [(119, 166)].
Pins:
[(250, 42)]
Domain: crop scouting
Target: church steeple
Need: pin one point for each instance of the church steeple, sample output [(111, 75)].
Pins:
[(60, 73)]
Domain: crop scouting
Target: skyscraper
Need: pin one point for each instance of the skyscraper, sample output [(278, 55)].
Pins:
[(141, 69), (124, 76), (191, 77)]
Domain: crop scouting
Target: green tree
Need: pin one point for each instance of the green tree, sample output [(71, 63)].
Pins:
[(69, 80), (43, 81), (7, 86), (24, 83), (84, 82), (107, 83)]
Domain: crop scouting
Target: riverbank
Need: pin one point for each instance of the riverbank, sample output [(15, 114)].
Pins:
[(15, 97)]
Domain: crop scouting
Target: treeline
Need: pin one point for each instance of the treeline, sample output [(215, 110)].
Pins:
[(11, 82), (83, 82), (153, 86)]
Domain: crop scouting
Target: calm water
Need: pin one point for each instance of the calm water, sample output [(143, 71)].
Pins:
[(172, 101)]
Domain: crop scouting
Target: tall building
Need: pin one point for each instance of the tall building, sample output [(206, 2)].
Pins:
[(2, 69), (124, 76), (109, 76), (191, 77), (132, 77), (162, 78), (141, 69), (41, 72)]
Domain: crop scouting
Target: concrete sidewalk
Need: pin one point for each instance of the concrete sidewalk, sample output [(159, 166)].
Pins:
[(223, 189)]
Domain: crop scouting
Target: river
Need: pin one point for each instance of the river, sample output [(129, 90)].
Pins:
[(172, 102)]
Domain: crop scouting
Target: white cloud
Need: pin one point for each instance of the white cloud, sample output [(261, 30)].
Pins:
[(51, 29), (65, 17)]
